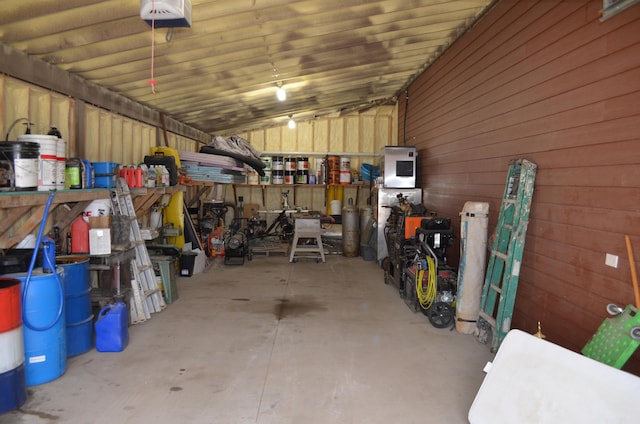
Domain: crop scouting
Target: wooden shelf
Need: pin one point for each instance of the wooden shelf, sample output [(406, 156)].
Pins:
[(12, 199), (295, 187), (19, 204), (144, 198)]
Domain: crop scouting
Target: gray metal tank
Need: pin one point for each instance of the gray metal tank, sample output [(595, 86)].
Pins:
[(366, 224), (350, 230)]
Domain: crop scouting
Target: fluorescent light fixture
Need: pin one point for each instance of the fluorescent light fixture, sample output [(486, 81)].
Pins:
[(281, 93)]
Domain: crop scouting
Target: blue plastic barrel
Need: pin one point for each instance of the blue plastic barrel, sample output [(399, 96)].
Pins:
[(13, 391), (43, 317), (77, 296)]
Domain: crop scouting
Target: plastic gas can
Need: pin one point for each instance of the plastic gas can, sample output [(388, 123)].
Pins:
[(80, 236), (112, 328)]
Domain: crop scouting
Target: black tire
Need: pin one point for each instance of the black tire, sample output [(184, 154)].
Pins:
[(440, 315)]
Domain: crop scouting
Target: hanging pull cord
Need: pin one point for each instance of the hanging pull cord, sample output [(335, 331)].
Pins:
[(153, 82)]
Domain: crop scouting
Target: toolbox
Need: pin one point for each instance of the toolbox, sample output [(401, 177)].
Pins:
[(169, 162)]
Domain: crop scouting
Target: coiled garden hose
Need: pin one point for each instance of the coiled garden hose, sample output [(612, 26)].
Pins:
[(427, 296)]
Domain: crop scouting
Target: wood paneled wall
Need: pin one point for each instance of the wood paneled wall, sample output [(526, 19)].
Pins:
[(545, 81)]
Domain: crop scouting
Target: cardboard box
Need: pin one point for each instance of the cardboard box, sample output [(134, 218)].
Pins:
[(100, 241), (103, 221)]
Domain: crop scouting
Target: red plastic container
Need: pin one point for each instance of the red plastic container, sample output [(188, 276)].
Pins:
[(138, 174), (80, 236)]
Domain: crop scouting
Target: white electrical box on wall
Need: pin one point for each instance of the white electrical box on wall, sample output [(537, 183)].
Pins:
[(166, 13)]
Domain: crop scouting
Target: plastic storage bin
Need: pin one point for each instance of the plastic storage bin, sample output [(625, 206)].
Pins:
[(187, 263)]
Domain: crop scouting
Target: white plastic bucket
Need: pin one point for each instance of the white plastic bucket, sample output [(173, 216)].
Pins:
[(336, 207), (20, 162), (47, 161), (98, 207)]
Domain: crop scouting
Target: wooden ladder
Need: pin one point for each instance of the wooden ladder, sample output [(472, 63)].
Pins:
[(503, 270), (147, 296)]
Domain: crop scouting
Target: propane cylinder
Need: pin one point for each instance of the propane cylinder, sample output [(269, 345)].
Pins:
[(350, 230)]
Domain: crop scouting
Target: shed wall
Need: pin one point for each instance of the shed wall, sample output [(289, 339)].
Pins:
[(549, 82)]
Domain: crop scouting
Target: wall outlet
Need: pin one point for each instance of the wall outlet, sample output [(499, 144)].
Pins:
[(611, 260)]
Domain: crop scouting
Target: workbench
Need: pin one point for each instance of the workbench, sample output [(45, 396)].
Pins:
[(22, 211)]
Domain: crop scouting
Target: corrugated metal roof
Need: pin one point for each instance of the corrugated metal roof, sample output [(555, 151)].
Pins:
[(221, 74)]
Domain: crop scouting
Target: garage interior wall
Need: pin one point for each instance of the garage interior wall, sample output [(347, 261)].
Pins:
[(104, 136), (551, 83), (91, 132), (361, 134), (101, 135)]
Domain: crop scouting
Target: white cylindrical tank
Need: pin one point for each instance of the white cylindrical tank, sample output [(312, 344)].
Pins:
[(350, 230), (473, 254)]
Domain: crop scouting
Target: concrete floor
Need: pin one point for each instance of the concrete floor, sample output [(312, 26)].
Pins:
[(273, 342)]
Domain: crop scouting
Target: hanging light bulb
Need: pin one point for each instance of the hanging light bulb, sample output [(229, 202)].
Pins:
[(291, 123), (281, 93)]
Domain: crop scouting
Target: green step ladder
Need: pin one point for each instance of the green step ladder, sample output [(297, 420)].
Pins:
[(503, 270)]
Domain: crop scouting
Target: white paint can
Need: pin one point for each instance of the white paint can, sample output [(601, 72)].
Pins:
[(47, 159)]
